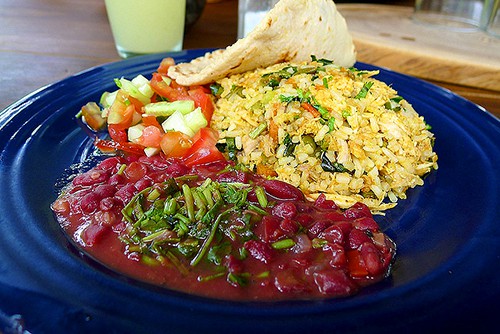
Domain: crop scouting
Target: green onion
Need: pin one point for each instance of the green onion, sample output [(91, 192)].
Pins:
[(154, 194), (188, 197), (256, 209), (264, 274), (364, 90), (261, 196), (178, 264), (170, 206), (325, 82), (208, 197), (331, 124), (149, 260), (257, 131), (283, 244), (318, 243), (211, 277), (121, 169)]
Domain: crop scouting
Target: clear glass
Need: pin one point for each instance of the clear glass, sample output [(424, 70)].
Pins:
[(250, 13), (492, 18), (460, 15), (146, 26)]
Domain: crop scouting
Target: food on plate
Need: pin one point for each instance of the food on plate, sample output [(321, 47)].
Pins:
[(325, 129), (221, 231), (291, 31), (171, 209), (250, 173)]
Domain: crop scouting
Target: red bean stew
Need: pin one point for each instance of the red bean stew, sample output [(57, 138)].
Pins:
[(220, 231)]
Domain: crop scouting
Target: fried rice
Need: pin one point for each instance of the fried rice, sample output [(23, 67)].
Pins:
[(325, 129)]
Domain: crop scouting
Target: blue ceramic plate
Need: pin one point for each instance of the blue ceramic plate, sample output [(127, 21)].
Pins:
[(447, 232)]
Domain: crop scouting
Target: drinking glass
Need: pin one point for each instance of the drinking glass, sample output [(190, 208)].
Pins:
[(460, 15), (146, 26), (250, 13)]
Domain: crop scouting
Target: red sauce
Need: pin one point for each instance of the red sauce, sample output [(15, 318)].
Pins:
[(287, 248)]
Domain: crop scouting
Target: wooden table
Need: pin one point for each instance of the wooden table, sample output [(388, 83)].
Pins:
[(45, 41)]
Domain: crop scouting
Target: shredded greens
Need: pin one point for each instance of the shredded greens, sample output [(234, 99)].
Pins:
[(184, 225)]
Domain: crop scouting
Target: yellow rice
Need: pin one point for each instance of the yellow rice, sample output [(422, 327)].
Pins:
[(385, 147)]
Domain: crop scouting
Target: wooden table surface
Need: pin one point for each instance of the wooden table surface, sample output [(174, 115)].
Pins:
[(43, 41)]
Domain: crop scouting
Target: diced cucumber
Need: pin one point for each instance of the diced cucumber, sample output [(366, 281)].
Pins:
[(196, 120), (150, 151), (107, 99), (176, 122), (132, 90), (165, 108), (166, 80), (143, 86), (135, 132)]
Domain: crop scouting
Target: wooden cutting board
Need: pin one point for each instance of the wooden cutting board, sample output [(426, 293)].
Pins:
[(387, 36)]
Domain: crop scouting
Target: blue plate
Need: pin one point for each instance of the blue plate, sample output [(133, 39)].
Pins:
[(446, 275)]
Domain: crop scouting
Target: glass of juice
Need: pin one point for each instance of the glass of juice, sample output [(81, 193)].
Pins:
[(146, 26)]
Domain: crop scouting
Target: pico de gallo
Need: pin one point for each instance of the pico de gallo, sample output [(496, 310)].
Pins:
[(169, 209)]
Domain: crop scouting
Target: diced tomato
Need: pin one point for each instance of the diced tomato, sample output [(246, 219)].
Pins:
[(92, 115), (117, 133), (111, 145), (151, 136), (165, 64), (175, 144), (203, 150), (137, 104), (202, 100), (150, 120), (172, 92), (121, 112)]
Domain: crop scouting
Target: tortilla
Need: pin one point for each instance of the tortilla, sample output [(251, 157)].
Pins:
[(291, 32)]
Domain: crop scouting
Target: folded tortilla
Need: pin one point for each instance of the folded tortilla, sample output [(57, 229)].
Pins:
[(292, 31)]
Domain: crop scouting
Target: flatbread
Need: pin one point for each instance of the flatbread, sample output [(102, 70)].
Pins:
[(292, 31)]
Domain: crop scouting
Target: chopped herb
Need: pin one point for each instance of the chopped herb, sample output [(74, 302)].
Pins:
[(332, 167), (289, 145), (217, 253), (230, 147), (238, 279), (216, 89), (393, 103), (322, 60), (236, 90), (346, 113), (273, 79)]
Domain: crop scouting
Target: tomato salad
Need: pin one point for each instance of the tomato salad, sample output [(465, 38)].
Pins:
[(169, 209), (156, 116)]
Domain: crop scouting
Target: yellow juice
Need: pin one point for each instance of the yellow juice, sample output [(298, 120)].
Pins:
[(146, 26)]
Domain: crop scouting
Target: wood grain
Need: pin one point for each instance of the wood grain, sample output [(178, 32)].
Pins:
[(387, 36)]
